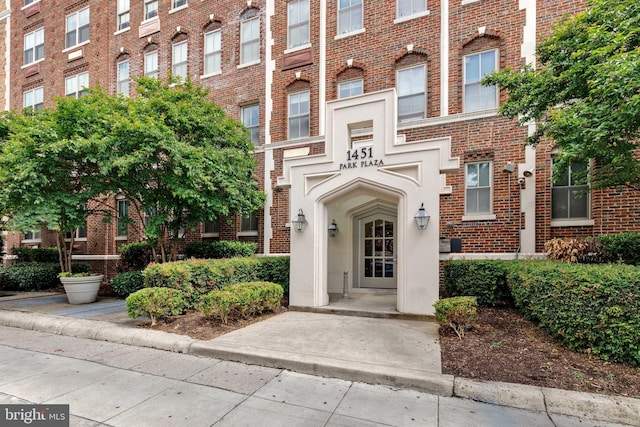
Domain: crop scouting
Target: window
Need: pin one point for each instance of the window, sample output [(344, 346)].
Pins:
[(349, 16), (251, 120), (151, 64), (250, 41), (123, 78), (123, 14), (212, 52), (249, 223), (150, 9), (299, 115), (211, 228), (411, 7), (34, 98), (179, 61), (569, 193), (28, 2), (411, 93), (79, 233), (350, 88), (298, 27), (123, 218), (33, 234), (77, 28), (179, 3), (476, 96), (478, 188), (75, 86), (34, 46)]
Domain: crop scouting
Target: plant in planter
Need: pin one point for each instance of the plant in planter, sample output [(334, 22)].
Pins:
[(50, 175)]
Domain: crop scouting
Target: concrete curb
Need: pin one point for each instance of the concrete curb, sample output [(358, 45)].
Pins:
[(614, 409)]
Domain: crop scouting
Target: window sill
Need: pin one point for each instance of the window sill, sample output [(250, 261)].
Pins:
[(119, 238), (178, 9), (75, 46), (248, 234), (352, 33), (297, 48), (29, 5), (486, 217), (124, 30), (572, 223), (31, 241), (205, 235), (469, 2), (31, 64), (401, 19), (147, 21), (248, 64), (206, 76)]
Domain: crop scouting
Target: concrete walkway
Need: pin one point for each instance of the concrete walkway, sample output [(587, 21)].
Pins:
[(395, 352)]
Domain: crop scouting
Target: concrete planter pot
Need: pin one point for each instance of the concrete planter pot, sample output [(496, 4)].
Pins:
[(82, 290)]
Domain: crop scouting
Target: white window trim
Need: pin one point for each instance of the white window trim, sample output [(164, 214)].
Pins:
[(124, 30), (248, 64), (177, 9), (350, 81), (297, 48), (118, 81), (146, 21), (572, 222), (32, 90), (469, 2), (426, 93), (464, 73), (186, 60), (76, 46), (483, 216), (29, 5), (289, 114), (31, 64), (144, 63), (353, 33), (293, 49), (216, 73), (411, 17), (77, 12), (247, 233), (256, 61)]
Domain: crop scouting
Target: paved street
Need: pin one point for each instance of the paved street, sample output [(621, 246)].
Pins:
[(119, 385)]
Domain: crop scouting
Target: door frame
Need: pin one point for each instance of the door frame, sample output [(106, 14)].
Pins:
[(377, 212)]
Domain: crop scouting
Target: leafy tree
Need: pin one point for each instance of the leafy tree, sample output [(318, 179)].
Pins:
[(49, 170), (585, 94), (179, 158)]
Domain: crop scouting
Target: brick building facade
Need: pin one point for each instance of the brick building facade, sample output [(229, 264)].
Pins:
[(279, 66)]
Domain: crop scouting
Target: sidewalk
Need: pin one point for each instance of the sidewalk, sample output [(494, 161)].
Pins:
[(396, 352)]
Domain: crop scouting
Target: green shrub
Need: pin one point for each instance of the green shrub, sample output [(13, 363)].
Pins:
[(623, 247), (276, 270), (35, 255), (127, 283), (241, 300), (81, 267), (458, 312), (485, 279), (591, 308), (155, 303), (219, 249), (134, 256), (30, 276)]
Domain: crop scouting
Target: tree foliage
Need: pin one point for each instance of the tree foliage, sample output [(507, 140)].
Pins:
[(585, 91), (170, 151)]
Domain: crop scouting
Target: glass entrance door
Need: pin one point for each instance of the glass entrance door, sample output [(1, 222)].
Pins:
[(377, 252)]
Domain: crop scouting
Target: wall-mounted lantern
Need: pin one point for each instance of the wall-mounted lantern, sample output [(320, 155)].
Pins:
[(299, 221), (333, 228), (422, 218)]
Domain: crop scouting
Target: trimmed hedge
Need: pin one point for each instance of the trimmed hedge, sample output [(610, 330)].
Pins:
[(591, 308), (135, 256), (241, 300), (30, 276), (458, 312), (127, 283), (35, 255), (155, 303), (623, 247), (196, 277), (485, 279), (220, 249)]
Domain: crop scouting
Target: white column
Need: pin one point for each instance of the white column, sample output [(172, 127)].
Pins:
[(270, 67), (444, 58)]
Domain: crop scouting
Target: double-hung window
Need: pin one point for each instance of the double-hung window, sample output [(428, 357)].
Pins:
[(298, 26), (412, 96), (28, 2), (123, 78), (350, 14), (350, 88), (298, 115), (411, 7), (34, 98), (34, 46), (250, 41), (179, 3), (77, 28), (478, 189), (213, 52), (123, 14), (75, 86), (476, 96), (151, 64), (179, 60), (211, 229), (570, 193), (150, 9), (249, 223), (251, 120), (35, 234)]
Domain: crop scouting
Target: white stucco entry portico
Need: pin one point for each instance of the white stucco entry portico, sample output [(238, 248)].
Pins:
[(367, 171)]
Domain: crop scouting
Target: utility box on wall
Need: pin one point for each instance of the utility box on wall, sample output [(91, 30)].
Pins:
[(450, 245)]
